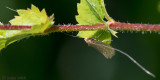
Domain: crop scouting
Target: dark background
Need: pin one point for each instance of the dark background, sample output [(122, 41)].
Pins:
[(61, 57)]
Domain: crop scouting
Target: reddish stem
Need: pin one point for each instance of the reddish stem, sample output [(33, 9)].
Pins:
[(114, 26), (14, 27), (76, 27), (134, 27)]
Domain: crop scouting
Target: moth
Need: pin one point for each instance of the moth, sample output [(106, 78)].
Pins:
[(108, 51), (103, 48)]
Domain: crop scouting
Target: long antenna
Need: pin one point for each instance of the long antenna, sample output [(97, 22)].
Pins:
[(11, 9), (140, 66)]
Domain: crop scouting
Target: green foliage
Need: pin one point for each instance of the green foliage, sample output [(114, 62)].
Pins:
[(91, 12), (32, 17)]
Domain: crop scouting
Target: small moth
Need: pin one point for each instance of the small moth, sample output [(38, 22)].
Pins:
[(109, 51), (104, 48)]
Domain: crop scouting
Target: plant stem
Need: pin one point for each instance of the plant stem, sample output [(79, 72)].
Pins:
[(134, 27), (57, 28), (115, 26), (106, 13), (14, 27)]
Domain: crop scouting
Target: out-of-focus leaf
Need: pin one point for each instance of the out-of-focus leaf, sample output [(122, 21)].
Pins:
[(32, 17), (1, 23)]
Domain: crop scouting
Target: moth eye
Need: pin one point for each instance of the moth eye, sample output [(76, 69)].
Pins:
[(102, 47)]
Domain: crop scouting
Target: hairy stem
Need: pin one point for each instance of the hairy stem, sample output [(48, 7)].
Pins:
[(134, 27), (115, 26), (58, 28), (14, 27)]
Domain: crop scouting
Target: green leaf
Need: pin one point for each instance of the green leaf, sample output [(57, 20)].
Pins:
[(33, 17), (86, 14), (94, 11), (2, 43), (91, 12), (40, 28), (100, 35), (114, 33), (30, 17), (2, 40)]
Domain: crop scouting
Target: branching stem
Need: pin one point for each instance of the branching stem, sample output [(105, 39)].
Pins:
[(115, 26), (106, 13)]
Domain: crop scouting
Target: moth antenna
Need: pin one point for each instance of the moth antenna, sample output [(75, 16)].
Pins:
[(11, 9), (73, 36), (139, 65)]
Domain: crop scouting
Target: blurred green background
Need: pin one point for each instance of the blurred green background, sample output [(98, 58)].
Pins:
[(61, 57)]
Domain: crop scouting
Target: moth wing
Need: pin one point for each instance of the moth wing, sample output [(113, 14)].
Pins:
[(104, 48)]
